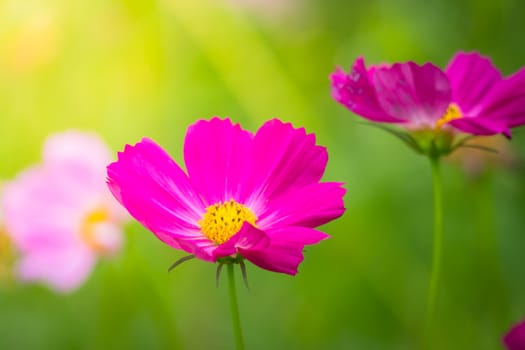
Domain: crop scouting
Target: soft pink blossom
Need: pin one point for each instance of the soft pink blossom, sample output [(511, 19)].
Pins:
[(243, 195), (59, 214)]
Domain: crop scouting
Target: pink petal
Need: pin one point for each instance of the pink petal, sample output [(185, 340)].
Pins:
[(356, 92), (301, 235), (43, 204), (480, 126), (61, 269), (278, 250), (285, 252), (280, 256), (491, 104), (248, 238), (506, 102), (407, 91), (83, 155), (157, 193), (218, 158), (200, 246), (72, 146), (286, 159), (471, 78), (310, 206), (108, 236)]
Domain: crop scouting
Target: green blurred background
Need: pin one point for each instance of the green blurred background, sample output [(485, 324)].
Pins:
[(132, 68)]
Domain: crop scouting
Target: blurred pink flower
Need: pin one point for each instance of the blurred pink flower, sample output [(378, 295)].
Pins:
[(248, 196), (270, 9), (475, 162), (59, 214), (515, 338), (469, 96), (5, 249)]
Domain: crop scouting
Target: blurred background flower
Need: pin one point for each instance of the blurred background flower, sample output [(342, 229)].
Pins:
[(498, 154), (59, 215), (128, 69), (6, 254), (515, 338)]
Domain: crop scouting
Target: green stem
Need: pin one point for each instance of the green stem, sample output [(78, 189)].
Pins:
[(437, 242), (236, 320)]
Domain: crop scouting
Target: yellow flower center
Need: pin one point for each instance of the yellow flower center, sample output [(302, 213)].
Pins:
[(453, 112), (88, 228), (223, 220), (5, 242)]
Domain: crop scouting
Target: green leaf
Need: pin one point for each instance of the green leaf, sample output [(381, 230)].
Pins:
[(403, 136)]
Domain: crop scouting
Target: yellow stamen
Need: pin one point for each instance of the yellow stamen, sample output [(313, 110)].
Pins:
[(223, 220), (453, 112), (87, 229)]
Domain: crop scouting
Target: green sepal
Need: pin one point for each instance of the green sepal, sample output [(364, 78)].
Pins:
[(403, 136), (429, 142), (180, 261), (463, 143), (433, 143), (230, 260), (481, 148)]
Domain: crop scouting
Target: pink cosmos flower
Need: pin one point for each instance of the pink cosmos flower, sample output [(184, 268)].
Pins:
[(59, 215), (469, 96), (256, 197), (515, 338)]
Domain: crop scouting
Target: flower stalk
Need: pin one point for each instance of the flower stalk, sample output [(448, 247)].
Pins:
[(437, 242), (236, 320)]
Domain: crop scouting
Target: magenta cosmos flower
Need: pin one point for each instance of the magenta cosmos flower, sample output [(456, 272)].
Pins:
[(59, 214), (515, 338), (469, 96), (256, 197)]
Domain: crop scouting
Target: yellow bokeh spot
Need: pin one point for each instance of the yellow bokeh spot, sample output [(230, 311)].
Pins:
[(6, 257), (36, 41), (223, 220), (453, 112), (87, 229)]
